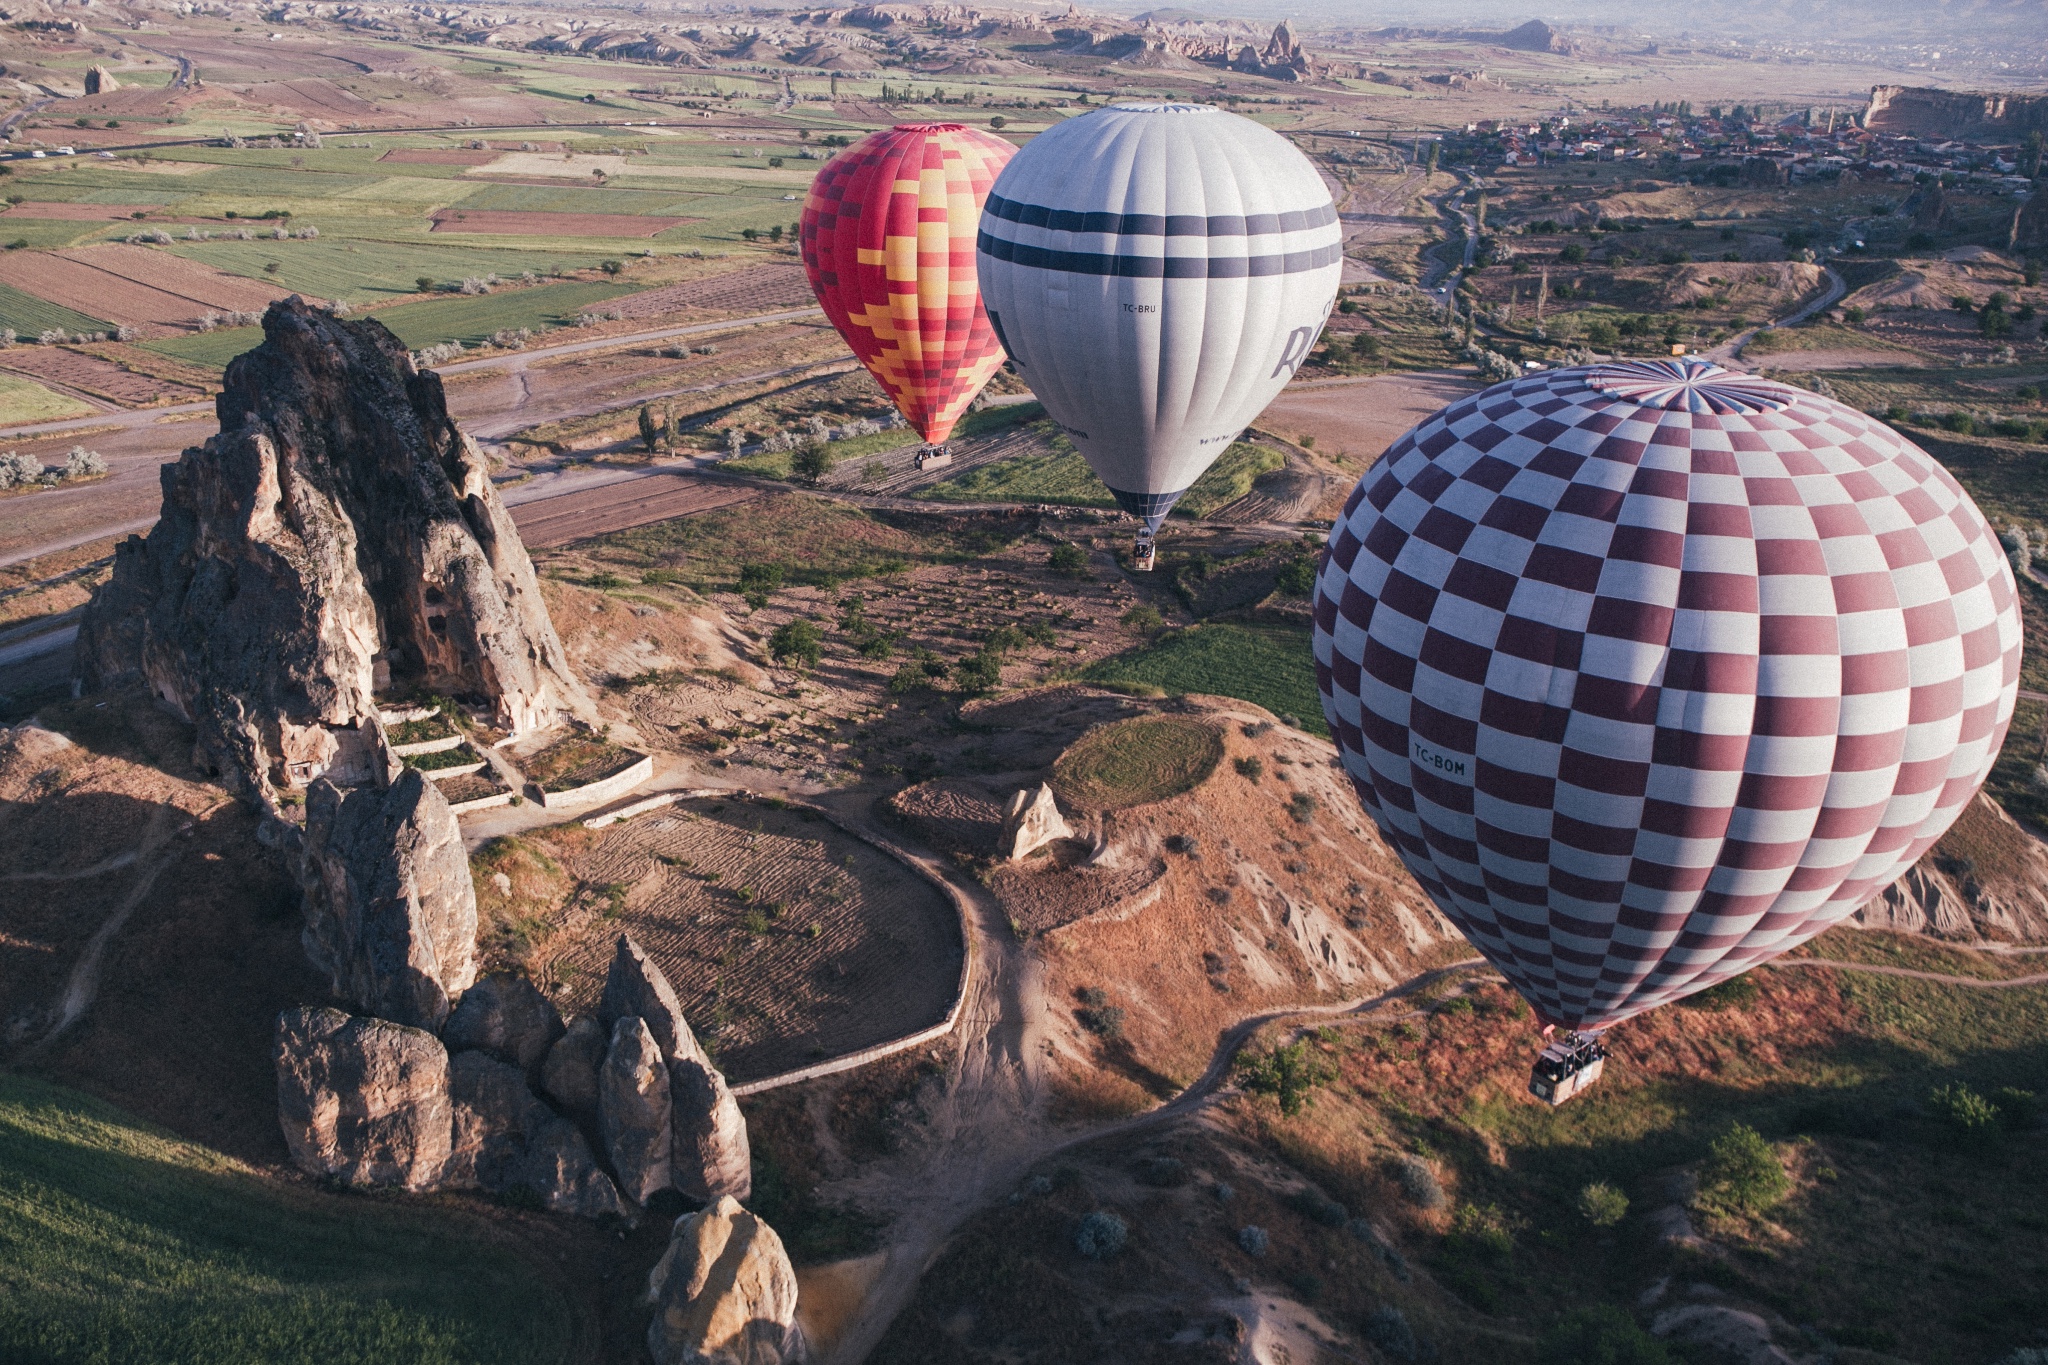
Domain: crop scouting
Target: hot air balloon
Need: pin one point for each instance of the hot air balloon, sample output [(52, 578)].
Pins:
[(1157, 272), (887, 234), (1651, 672)]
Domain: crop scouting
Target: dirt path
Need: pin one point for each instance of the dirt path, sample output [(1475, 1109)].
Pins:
[(1939, 978)]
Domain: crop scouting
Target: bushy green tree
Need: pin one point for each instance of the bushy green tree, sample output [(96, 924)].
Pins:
[(1290, 1074), (1742, 1173)]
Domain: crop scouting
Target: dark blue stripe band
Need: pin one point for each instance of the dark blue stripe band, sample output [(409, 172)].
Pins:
[(1159, 224), (1160, 267)]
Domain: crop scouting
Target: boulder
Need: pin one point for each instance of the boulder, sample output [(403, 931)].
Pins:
[(723, 1293), (362, 1101), (505, 1015), (635, 986), (506, 1140), (711, 1156), (1030, 822), (100, 81), (390, 911), (634, 1110), (569, 1076), (339, 524)]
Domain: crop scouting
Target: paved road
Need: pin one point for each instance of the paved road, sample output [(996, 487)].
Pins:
[(136, 443)]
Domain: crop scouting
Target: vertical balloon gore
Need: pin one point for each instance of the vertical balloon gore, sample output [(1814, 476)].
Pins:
[(888, 242)]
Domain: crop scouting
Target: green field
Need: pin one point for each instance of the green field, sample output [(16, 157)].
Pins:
[(29, 315), (471, 318), (1064, 478), (207, 348), (1269, 665), (122, 1245), (24, 400)]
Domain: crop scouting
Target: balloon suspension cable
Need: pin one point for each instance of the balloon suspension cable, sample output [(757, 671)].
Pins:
[(934, 456)]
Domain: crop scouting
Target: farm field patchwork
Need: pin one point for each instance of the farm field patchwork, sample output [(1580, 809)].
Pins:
[(24, 400), (30, 316)]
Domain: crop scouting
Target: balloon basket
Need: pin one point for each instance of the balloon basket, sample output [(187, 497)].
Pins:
[(1144, 554), (933, 457), (1568, 1066)]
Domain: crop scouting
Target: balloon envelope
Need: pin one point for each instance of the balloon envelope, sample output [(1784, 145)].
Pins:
[(888, 241), (1651, 671), (1157, 272)]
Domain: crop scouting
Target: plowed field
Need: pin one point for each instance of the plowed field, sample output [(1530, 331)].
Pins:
[(759, 288), (439, 156), (90, 374), (132, 284), (615, 507), (553, 224), (787, 941)]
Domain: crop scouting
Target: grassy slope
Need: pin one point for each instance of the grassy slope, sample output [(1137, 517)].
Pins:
[(120, 1243), (1270, 665), (1066, 479)]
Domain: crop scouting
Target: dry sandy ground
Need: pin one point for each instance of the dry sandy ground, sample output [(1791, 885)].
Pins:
[(1353, 420)]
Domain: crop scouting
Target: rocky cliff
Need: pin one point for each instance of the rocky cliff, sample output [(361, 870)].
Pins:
[(1915, 111), (339, 537)]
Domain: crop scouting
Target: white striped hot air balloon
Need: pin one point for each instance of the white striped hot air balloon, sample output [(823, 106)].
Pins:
[(1157, 272)]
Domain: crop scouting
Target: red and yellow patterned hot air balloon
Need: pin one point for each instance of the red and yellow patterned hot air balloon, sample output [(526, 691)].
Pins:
[(888, 239)]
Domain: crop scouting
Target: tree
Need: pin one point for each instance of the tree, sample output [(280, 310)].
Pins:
[(612, 267), (1434, 149), (2030, 155), (1068, 560), (998, 121), (757, 581), (775, 233), (1742, 1173), (425, 284), (750, 233), (1602, 1205), (811, 462), (1297, 577), (1290, 1074), (796, 641), (650, 430)]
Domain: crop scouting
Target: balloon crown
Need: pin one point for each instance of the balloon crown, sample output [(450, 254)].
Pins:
[(1144, 107), (930, 127), (1692, 384)]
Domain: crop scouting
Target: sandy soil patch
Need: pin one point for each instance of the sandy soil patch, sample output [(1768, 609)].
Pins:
[(1354, 420), (132, 284), (553, 224)]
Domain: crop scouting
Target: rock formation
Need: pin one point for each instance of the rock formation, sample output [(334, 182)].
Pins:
[(362, 1101), (569, 1076), (505, 1140), (338, 531), (1916, 111), (505, 1016), (100, 81), (1030, 822), (710, 1158), (635, 1110), (723, 1293), (390, 910), (1987, 880)]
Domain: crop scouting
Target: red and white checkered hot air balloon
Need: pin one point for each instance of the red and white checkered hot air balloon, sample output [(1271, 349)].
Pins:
[(1652, 671), (888, 240)]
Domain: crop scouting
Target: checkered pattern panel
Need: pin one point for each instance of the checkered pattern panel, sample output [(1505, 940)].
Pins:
[(1651, 671), (888, 239)]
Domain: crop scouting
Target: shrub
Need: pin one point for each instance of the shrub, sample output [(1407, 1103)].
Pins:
[(1964, 1110), (909, 678), (1742, 1173), (81, 463), (1602, 1205), (980, 672), (1101, 1235), (1573, 253), (757, 581), (1250, 767), (1290, 1074), (1068, 560), (1253, 1240), (811, 462), (1388, 1329), (1313, 1204), (1418, 1181), (1142, 620), (1485, 1228), (1297, 577), (1600, 1335), (1960, 422), (1302, 807), (797, 641)]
